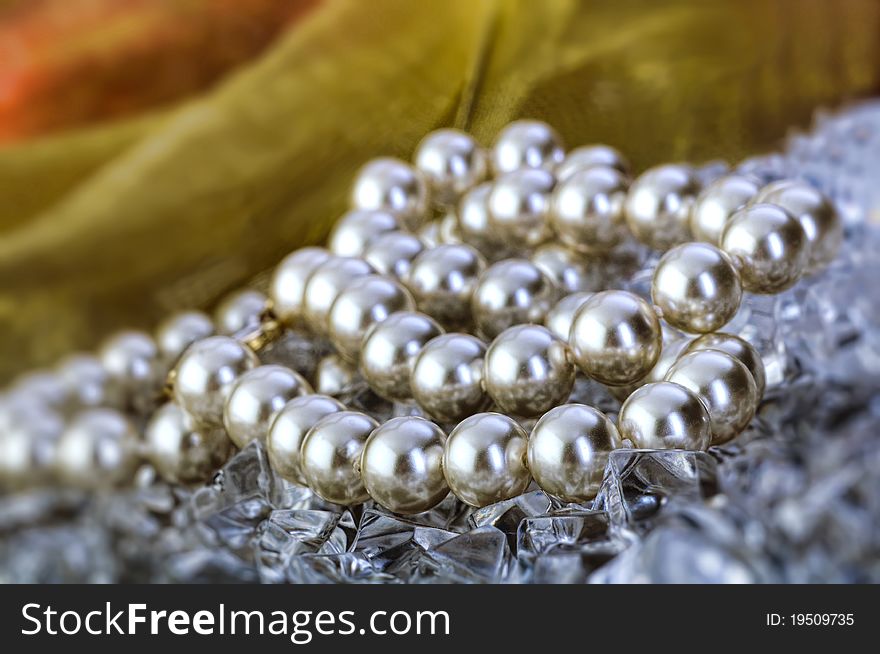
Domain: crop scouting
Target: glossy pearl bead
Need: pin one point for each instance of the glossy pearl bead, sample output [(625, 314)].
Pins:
[(402, 465), (519, 207), (255, 399), (616, 337), (669, 354), (452, 162), (366, 301), (587, 209), (447, 377), (289, 429), (325, 284), (241, 311), (178, 332), (447, 232), (485, 459), (357, 229), (98, 449), (658, 205), (717, 203), (392, 185), (473, 223), (131, 358), (335, 376), (389, 351), (570, 271), (87, 382), (527, 144), (588, 156), (568, 449), (528, 370), (737, 348), (442, 280), (288, 283), (665, 415), (511, 292), (28, 447), (768, 245), (330, 456), (817, 216), (205, 374), (179, 451), (392, 254), (724, 385), (696, 288), (560, 317)]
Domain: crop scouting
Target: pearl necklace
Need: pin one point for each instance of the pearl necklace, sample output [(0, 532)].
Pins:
[(409, 304)]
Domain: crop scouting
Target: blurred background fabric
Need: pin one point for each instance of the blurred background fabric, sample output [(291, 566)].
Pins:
[(155, 154)]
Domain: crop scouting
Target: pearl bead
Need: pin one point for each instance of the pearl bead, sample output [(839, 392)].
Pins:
[(447, 232), (571, 272), (528, 370), (659, 203), (672, 349), (473, 223), (568, 450), (335, 376), (27, 447), (402, 465), (769, 246), (240, 312), (452, 162), (289, 429), (98, 448), (511, 292), (442, 281), (256, 398), (325, 284), (737, 348), (288, 283), (587, 209), (389, 351), (429, 234), (616, 337), (392, 254), (392, 185), (330, 455), (816, 214), (357, 229), (87, 382), (447, 377), (485, 459), (179, 331), (665, 415), (131, 358), (717, 203), (724, 385), (205, 374), (519, 207), (366, 301), (696, 288), (588, 156), (560, 317), (527, 144), (179, 451), (42, 386)]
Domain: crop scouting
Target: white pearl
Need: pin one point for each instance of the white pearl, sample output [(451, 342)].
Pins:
[(28, 446), (179, 331), (131, 358), (352, 234), (658, 205), (589, 156), (527, 144), (365, 302), (288, 283), (98, 448), (587, 209), (179, 451), (528, 370), (240, 312), (289, 428), (717, 203), (519, 207), (389, 351), (665, 415), (43, 386), (392, 254), (447, 377), (561, 315), (570, 271), (442, 280), (474, 227), (392, 185), (402, 465), (335, 376), (511, 292), (325, 284), (256, 398), (738, 348), (205, 374), (452, 162), (87, 381)]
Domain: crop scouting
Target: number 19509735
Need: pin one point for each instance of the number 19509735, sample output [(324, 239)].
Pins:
[(810, 620)]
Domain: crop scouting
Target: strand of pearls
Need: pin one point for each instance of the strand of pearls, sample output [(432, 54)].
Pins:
[(479, 319)]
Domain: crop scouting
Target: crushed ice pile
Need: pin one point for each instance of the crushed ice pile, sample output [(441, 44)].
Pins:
[(794, 499)]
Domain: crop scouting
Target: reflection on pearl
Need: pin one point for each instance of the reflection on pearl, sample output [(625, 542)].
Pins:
[(392, 185), (511, 292), (452, 162), (288, 283), (658, 205), (527, 144), (442, 280), (179, 331), (239, 312), (589, 156), (289, 428), (357, 229), (519, 207), (392, 254), (474, 227), (325, 284), (98, 449), (587, 209), (717, 203), (179, 451), (665, 415), (447, 377), (738, 348), (560, 317)]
